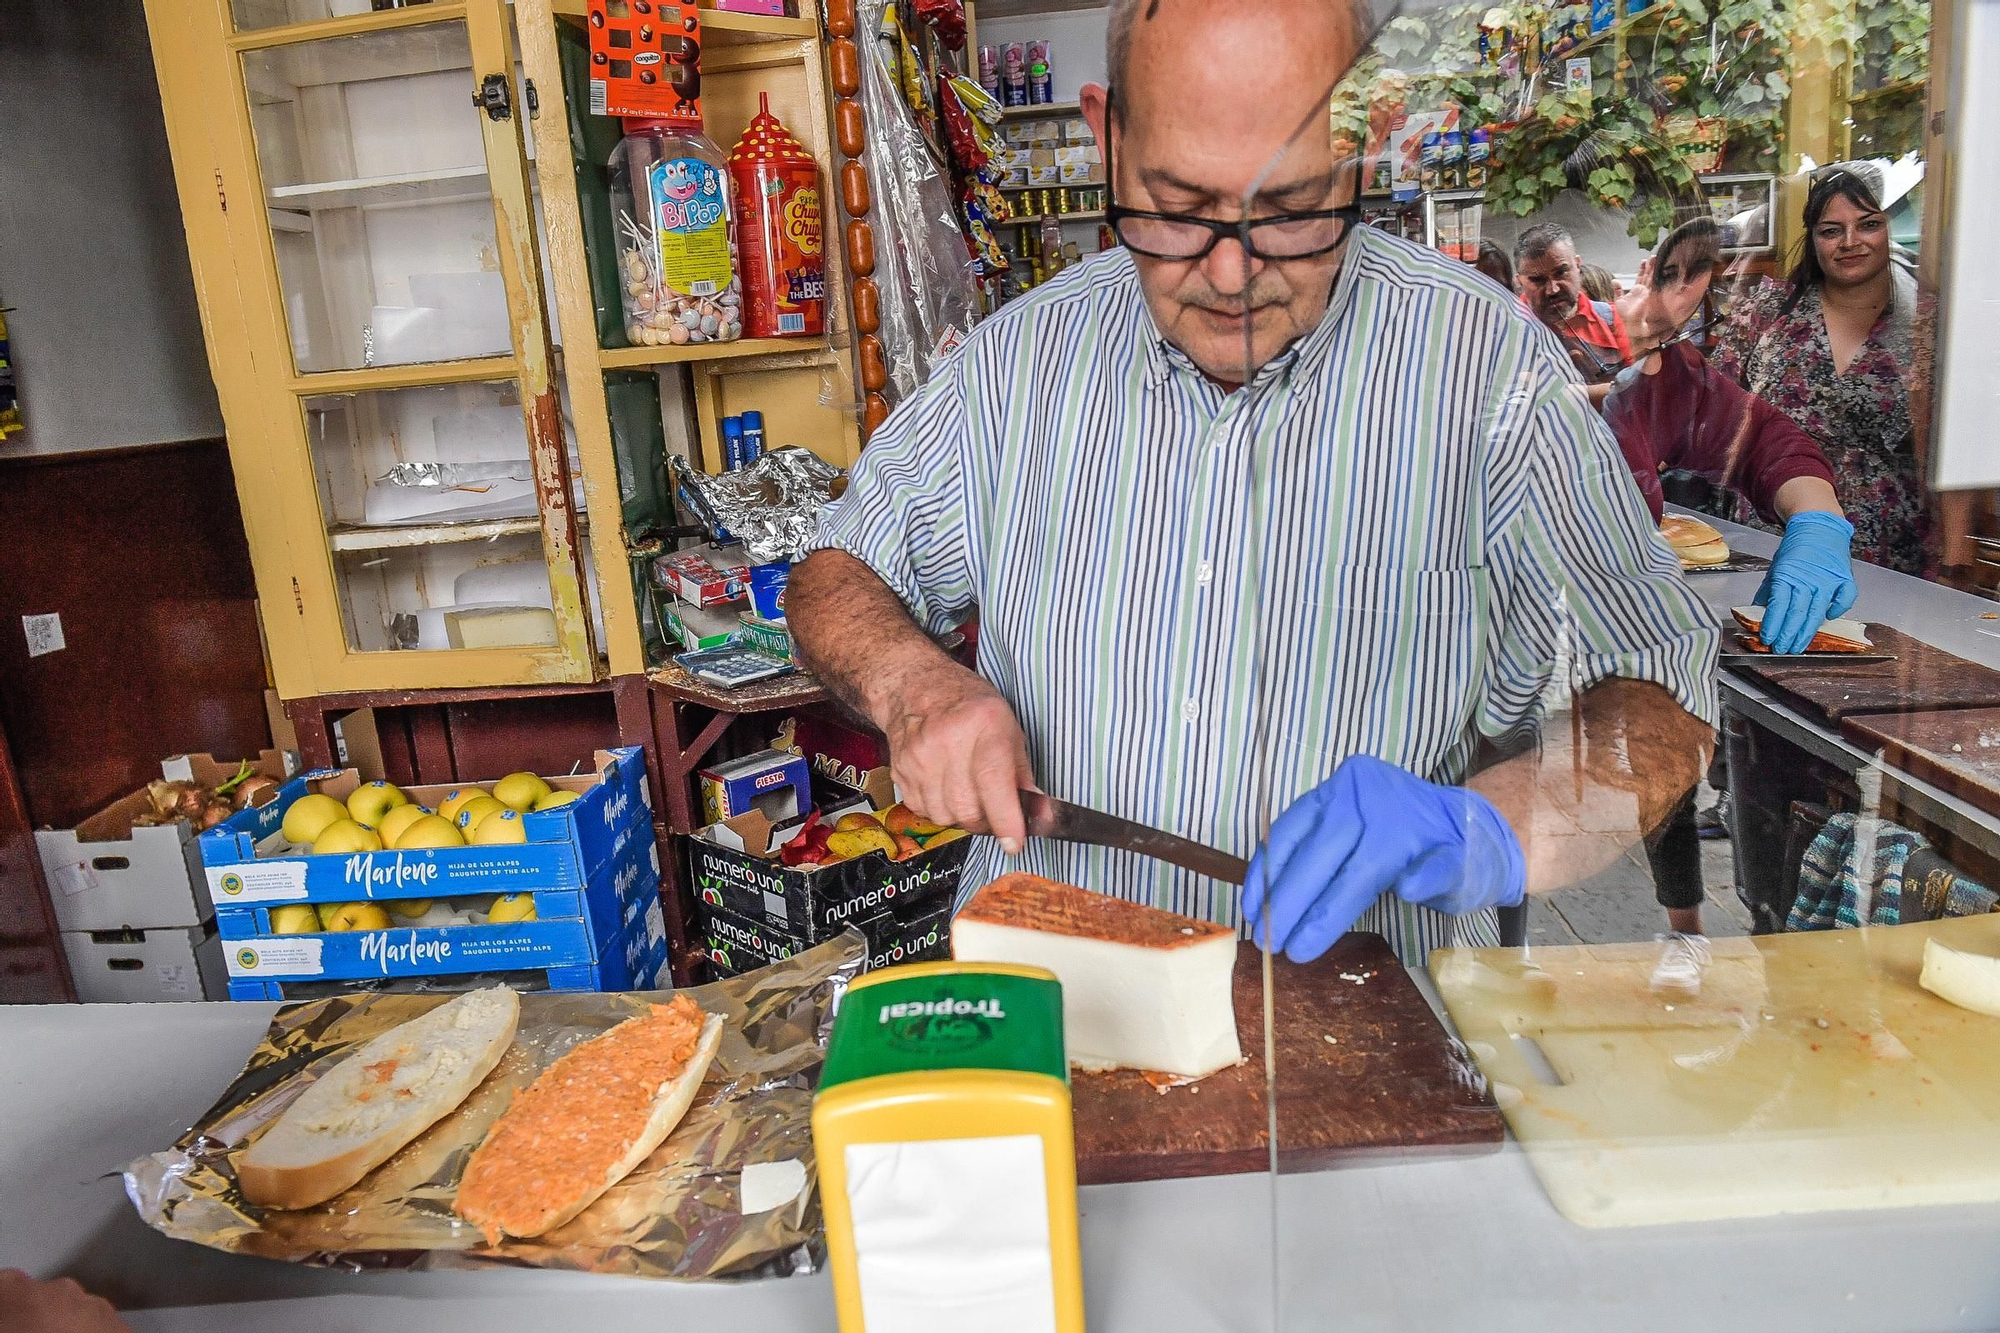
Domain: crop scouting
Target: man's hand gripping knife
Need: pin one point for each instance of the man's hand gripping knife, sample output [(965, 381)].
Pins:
[(1370, 829)]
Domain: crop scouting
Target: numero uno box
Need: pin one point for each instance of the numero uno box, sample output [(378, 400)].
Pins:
[(565, 848), (814, 903), (737, 944)]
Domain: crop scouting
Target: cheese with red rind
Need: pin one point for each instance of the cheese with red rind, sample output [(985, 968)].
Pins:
[(1142, 988)]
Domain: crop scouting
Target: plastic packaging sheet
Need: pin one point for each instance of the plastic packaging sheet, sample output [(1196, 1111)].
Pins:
[(767, 505), (929, 296), (681, 1214)]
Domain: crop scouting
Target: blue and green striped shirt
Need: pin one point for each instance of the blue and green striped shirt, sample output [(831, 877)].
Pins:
[(1408, 532)]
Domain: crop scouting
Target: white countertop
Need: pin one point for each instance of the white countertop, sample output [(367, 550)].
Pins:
[(1939, 615), (1399, 1244), (1405, 1245)]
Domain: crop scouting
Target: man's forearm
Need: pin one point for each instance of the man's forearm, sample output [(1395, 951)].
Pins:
[(855, 634), (1604, 776)]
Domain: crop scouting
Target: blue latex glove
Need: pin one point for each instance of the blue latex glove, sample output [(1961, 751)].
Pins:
[(1368, 829), (1811, 580)]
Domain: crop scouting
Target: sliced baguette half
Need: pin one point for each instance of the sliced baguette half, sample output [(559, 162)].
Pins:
[(587, 1121), (366, 1108)]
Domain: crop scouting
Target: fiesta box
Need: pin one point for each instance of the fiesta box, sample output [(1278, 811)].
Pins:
[(565, 846), (600, 939), (813, 903), (737, 944), (772, 781)]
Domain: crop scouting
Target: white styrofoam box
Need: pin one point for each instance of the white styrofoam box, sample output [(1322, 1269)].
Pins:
[(164, 964), (106, 875), (523, 583), (480, 435)]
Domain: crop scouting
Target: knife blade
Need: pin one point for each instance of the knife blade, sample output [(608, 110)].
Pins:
[(1049, 817)]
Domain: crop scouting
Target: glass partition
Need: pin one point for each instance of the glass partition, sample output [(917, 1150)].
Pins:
[(1624, 699)]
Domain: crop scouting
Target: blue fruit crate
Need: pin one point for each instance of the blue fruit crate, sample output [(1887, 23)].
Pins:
[(603, 938), (565, 846)]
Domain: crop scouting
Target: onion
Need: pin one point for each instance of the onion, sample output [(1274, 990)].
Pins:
[(215, 813), (256, 790), (193, 801)]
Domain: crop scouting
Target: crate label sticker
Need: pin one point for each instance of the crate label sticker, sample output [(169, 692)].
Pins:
[(249, 882), (298, 956), (75, 878), (175, 980)]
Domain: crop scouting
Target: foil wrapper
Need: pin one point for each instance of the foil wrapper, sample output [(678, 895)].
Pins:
[(458, 475), (768, 505), (678, 1215)]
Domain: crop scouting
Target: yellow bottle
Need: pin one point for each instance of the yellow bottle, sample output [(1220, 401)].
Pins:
[(944, 1136)]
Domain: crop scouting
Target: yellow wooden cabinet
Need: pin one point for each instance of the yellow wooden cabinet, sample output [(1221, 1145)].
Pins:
[(426, 506)]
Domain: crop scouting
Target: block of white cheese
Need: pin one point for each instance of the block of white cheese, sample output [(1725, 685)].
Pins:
[(1141, 988)]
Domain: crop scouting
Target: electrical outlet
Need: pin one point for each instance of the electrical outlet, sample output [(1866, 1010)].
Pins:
[(44, 634)]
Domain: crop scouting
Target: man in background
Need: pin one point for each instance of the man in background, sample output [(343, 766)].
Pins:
[(1551, 281)]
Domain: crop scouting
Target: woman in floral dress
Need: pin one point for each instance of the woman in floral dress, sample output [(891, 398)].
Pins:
[(1834, 350)]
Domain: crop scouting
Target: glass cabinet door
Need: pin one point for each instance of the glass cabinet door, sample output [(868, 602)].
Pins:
[(401, 351)]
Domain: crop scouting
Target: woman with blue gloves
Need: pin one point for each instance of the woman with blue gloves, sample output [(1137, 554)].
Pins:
[(1672, 409)]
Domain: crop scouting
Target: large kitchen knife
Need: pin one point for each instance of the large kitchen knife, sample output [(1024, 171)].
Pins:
[(1051, 818)]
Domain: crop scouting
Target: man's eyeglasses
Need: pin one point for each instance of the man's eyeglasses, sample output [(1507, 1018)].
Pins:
[(1185, 238)]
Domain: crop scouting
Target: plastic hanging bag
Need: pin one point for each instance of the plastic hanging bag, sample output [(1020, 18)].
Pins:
[(927, 275)]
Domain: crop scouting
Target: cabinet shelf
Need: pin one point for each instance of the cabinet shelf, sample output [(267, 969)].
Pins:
[(1041, 109), (723, 27), (447, 185), (400, 536), (1089, 215), (623, 358)]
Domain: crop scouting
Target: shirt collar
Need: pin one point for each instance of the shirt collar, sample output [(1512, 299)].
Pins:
[(1163, 358)]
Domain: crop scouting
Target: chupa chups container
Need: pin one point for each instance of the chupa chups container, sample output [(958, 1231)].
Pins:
[(776, 182), (989, 70), (1014, 73), (1041, 77), (676, 242)]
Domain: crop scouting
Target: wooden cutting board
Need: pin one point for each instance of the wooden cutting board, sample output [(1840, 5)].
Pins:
[(1957, 749), (1811, 1074), (1920, 677), (1363, 1063)]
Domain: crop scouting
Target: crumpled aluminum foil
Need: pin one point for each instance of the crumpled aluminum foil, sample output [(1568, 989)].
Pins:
[(768, 505), (452, 475), (679, 1215)]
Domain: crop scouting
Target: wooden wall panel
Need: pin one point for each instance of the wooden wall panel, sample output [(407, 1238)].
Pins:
[(141, 552), (544, 735)]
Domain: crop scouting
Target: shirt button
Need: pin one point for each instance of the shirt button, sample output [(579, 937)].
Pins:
[(1203, 573), (1188, 710)]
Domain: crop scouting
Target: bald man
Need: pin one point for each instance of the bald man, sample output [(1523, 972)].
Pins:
[(1264, 512)]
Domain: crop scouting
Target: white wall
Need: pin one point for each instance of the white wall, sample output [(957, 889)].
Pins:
[(1076, 45), (107, 345)]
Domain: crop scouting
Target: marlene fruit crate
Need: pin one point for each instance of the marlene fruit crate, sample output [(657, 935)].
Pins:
[(609, 936), (565, 846)]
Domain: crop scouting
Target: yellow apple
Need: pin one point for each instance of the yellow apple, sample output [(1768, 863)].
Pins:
[(473, 811), (308, 817), (410, 908), (512, 907), (344, 835), (555, 800), (520, 791), (392, 825), (455, 800), (430, 831), (371, 801), (500, 826), (294, 919), (357, 916)]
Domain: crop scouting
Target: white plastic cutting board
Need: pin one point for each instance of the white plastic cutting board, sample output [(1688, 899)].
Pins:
[(1811, 1074)]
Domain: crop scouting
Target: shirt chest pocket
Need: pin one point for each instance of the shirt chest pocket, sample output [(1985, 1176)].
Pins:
[(1404, 649)]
